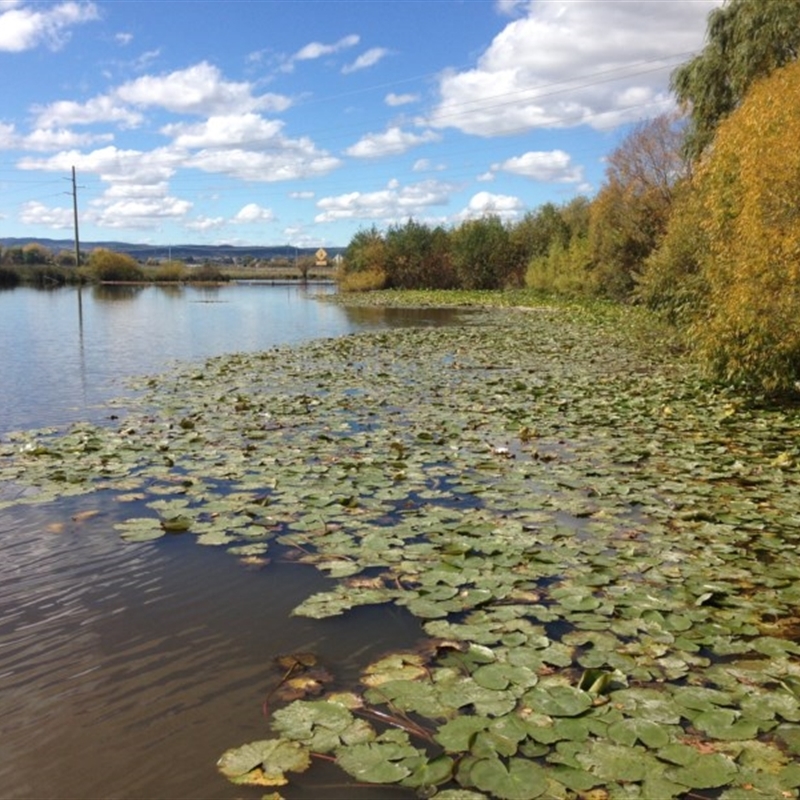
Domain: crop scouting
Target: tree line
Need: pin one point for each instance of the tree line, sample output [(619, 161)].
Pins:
[(698, 216)]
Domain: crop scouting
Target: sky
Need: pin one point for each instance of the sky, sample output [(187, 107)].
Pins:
[(272, 122)]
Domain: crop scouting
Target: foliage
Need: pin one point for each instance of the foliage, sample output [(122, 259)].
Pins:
[(206, 273), (564, 270), (107, 265), (365, 252), (541, 230), (418, 257), (750, 188), (673, 281), (169, 272), (746, 40), (367, 280), (485, 256), (629, 215), (35, 253)]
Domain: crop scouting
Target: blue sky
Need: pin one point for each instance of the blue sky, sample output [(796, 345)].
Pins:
[(265, 122)]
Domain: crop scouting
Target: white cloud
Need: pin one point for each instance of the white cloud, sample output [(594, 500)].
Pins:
[(134, 212), (426, 165), (317, 49), (123, 39), (598, 63), (199, 89), (393, 99), (201, 224), (227, 130), (302, 195), (298, 159), (392, 142), (553, 166), (8, 136), (105, 109), (368, 59), (49, 139), (393, 204), (25, 26), (252, 212), (485, 203), (35, 213)]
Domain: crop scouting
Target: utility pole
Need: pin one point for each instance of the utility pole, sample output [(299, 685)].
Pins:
[(75, 216)]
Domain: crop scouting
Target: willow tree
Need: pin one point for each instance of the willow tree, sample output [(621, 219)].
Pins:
[(745, 40), (750, 215)]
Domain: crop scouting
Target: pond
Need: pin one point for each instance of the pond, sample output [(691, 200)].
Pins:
[(126, 669), (66, 352)]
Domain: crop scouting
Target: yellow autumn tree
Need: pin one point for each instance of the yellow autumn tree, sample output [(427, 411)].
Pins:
[(749, 330)]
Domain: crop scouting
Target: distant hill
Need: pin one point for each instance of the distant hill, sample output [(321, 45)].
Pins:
[(181, 252)]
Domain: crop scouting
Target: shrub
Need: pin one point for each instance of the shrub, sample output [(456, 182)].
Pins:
[(169, 272), (367, 280), (108, 266), (207, 273)]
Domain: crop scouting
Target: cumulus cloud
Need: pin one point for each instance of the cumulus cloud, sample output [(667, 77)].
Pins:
[(103, 109), (318, 49), (392, 204), (598, 63), (226, 130), (368, 59), (139, 213), (253, 212), (199, 89), (36, 213), (392, 142), (485, 203), (553, 166), (25, 26), (393, 99), (202, 224), (51, 139)]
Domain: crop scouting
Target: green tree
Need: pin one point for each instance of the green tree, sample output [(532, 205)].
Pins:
[(745, 40), (418, 257), (484, 255), (629, 215), (540, 230), (749, 188)]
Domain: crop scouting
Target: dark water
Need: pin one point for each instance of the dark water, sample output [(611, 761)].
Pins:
[(127, 669)]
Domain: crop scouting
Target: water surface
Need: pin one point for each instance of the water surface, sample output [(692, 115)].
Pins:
[(127, 669)]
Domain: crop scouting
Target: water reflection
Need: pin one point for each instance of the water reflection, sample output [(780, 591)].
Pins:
[(115, 293)]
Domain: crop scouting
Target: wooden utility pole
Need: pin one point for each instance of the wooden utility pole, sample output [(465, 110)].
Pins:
[(75, 216)]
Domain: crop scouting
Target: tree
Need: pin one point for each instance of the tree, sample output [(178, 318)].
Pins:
[(630, 213), (418, 257), (750, 193), (484, 255), (540, 230), (745, 40)]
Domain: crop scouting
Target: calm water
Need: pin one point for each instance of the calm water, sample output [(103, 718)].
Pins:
[(127, 669)]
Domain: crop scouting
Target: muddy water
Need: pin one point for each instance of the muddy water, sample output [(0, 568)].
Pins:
[(127, 669)]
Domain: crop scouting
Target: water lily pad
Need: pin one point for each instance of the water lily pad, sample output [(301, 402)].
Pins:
[(558, 701), (517, 779)]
